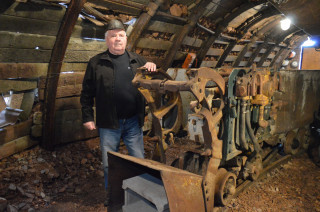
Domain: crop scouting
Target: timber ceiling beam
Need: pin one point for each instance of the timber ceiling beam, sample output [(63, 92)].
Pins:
[(142, 22), (194, 17), (270, 48), (297, 40), (243, 29), (254, 39), (55, 64), (206, 45)]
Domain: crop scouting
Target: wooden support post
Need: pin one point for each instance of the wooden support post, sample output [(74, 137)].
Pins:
[(255, 54), (58, 52), (196, 14), (142, 23)]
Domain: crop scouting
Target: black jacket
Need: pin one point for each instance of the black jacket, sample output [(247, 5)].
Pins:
[(98, 84)]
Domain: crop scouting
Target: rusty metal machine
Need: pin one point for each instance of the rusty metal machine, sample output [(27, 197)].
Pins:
[(239, 118)]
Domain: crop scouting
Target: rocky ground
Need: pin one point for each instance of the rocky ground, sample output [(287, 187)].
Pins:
[(71, 179)]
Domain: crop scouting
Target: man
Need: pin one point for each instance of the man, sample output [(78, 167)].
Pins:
[(119, 106)]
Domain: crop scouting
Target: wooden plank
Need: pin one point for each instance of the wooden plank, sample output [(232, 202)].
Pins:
[(16, 85), (248, 54), (58, 54), (191, 41), (64, 91), (72, 131), (26, 41), (16, 146), (243, 63), (117, 7), (26, 105), (3, 103), (13, 132), (88, 31), (159, 26), (26, 25), (22, 70), (87, 44), (68, 103), (79, 56), (63, 116), (237, 48), (209, 64), (230, 58), (65, 79), (257, 59), (266, 64), (36, 11), (151, 43), (215, 52), (75, 67), (24, 55)]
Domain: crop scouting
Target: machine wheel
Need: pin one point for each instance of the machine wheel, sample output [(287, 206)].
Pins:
[(291, 144), (225, 187)]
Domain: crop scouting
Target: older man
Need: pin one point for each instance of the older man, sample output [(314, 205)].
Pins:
[(119, 106)]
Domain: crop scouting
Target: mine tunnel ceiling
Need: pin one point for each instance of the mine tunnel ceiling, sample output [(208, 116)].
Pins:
[(305, 14), (240, 18)]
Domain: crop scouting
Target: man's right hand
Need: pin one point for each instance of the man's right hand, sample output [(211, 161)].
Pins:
[(89, 125)]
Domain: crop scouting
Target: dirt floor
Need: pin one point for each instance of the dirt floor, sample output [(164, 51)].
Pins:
[(71, 179)]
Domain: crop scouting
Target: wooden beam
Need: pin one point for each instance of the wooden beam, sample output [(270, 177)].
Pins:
[(68, 103), (253, 40), (13, 132), (65, 79), (196, 14), (159, 26), (13, 55), (36, 11), (79, 56), (279, 40), (16, 146), (141, 24), (222, 26), (63, 91), (54, 69), (27, 25), (16, 85), (244, 27), (26, 41), (151, 43), (22, 70)]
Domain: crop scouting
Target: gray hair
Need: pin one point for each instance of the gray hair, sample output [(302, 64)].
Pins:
[(106, 34)]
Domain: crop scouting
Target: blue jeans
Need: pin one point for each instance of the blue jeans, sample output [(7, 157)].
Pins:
[(132, 136)]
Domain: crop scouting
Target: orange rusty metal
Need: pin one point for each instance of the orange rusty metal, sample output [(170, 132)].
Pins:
[(146, 83), (197, 85), (183, 188)]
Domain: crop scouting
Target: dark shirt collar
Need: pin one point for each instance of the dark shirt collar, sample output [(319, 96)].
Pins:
[(105, 56)]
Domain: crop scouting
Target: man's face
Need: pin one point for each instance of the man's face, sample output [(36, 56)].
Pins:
[(116, 40)]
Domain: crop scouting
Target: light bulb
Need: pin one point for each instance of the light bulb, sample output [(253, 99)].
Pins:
[(285, 24)]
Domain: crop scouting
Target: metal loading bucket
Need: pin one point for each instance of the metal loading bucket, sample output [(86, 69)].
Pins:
[(183, 189)]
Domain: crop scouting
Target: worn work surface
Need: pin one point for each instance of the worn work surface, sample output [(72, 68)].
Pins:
[(71, 179)]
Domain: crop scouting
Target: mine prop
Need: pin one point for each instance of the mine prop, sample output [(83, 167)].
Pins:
[(233, 108)]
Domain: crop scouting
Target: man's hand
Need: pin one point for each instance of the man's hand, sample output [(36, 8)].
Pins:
[(150, 66), (90, 125)]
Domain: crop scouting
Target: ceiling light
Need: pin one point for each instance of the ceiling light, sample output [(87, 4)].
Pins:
[(285, 24)]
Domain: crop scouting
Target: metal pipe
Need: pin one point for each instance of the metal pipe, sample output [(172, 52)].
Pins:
[(253, 138), (243, 141)]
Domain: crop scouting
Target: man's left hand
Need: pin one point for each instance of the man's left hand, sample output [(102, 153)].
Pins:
[(150, 66)]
